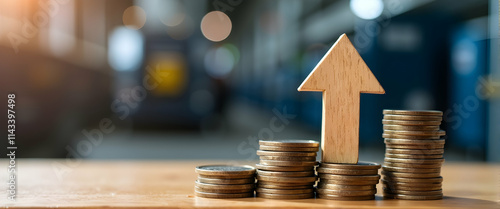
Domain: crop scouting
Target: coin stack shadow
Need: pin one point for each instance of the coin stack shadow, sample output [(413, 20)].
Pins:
[(225, 181), (414, 154), (286, 169), (348, 181)]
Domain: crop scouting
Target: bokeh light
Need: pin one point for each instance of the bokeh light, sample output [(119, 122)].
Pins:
[(134, 17), (170, 68), (216, 26), (367, 9), (219, 62), (126, 47)]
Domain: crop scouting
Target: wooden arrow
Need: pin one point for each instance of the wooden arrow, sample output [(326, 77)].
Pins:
[(341, 75)]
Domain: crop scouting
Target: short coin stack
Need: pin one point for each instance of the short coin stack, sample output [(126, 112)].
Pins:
[(348, 181), (286, 169), (414, 154), (225, 181)]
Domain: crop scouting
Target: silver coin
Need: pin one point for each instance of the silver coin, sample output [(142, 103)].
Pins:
[(225, 170), (289, 143)]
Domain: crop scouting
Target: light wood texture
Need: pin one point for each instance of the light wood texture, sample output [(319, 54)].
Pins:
[(170, 184), (341, 75)]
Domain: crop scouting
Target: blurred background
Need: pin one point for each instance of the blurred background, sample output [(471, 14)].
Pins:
[(174, 79)]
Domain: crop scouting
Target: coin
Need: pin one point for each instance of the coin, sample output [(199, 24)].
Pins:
[(413, 156), (287, 179), (296, 154), (411, 175), (288, 158), (408, 165), (349, 178), (226, 176), (223, 170), (347, 193), (346, 171), (288, 163), (413, 180), (223, 191), (226, 181), (362, 165), (270, 185), (424, 193), (415, 141), (290, 143), (345, 187), (412, 117), (286, 174), (224, 186), (411, 170), (412, 184), (410, 128), (423, 134), (399, 136), (354, 198), (411, 122), (413, 197), (285, 196), (348, 183), (413, 112), (397, 187), (288, 149), (417, 161), (414, 147), (284, 168), (415, 152), (284, 191), (216, 195)]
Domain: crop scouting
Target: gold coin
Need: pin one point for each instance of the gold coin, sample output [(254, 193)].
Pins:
[(427, 188), (289, 149), (413, 112), (411, 175), (349, 178), (222, 191), (284, 191), (415, 141), (415, 152), (345, 187), (284, 168), (286, 174), (287, 158), (285, 196), (411, 170), (224, 186), (423, 134), (354, 198), (348, 183), (346, 192), (398, 136), (346, 171), (408, 165), (413, 197), (289, 143), (414, 147), (410, 128), (396, 184), (411, 122), (413, 156), (216, 195), (283, 183), (415, 161), (226, 181), (225, 170), (287, 179), (398, 191), (288, 163), (296, 154), (361, 165), (412, 117), (270, 185), (413, 180)]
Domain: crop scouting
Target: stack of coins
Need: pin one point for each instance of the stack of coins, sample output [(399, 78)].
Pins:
[(348, 181), (414, 154), (286, 169), (225, 181)]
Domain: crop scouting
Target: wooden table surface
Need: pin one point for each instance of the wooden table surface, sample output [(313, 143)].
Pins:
[(169, 184)]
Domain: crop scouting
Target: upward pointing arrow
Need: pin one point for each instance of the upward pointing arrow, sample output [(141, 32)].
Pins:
[(341, 75)]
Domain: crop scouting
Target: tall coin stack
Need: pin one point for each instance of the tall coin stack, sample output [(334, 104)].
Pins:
[(348, 181), (286, 169), (225, 181), (414, 154)]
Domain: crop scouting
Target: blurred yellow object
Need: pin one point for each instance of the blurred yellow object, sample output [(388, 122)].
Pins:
[(171, 71)]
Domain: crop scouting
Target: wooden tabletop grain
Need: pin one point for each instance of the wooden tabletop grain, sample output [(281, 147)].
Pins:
[(169, 184)]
